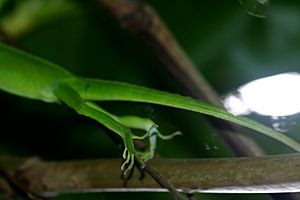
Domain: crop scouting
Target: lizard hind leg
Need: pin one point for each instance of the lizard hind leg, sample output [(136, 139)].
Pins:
[(139, 123), (152, 132)]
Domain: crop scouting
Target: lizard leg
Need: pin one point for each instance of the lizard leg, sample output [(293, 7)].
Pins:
[(71, 98), (152, 132), (145, 124)]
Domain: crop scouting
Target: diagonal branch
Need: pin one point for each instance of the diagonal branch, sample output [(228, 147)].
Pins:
[(141, 19), (6, 38)]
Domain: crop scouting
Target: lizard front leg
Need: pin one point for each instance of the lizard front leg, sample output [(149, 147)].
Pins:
[(71, 98)]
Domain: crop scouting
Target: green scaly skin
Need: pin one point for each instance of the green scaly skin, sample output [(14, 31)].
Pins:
[(28, 76)]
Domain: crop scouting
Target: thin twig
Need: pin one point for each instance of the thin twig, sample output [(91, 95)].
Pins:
[(191, 196), (163, 181)]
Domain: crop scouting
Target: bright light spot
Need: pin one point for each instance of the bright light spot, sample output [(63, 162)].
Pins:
[(236, 106), (277, 95)]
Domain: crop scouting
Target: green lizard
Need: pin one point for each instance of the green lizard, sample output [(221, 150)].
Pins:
[(28, 76)]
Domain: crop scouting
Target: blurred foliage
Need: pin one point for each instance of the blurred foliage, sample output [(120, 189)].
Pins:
[(257, 8), (230, 47)]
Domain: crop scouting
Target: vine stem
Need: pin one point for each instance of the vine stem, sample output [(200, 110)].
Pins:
[(266, 174)]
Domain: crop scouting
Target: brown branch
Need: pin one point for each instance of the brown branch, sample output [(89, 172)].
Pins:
[(228, 175), (141, 19), (144, 21), (6, 189), (6, 38)]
